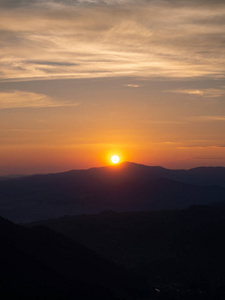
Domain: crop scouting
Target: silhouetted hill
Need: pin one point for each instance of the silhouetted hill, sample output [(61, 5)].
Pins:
[(39, 263), (197, 176), (181, 253), (12, 176), (126, 187)]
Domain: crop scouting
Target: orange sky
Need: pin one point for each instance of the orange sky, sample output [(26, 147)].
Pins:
[(81, 80)]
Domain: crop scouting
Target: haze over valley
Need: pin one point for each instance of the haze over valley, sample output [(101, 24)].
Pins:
[(125, 187)]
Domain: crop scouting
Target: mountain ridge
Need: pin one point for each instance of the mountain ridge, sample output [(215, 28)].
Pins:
[(180, 251), (39, 263), (124, 187)]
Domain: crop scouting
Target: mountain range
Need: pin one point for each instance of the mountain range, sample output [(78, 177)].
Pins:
[(124, 187), (178, 252), (39, 263)]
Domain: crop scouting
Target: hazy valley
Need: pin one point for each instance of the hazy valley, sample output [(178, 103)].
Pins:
[(126, 187), (122, 232)]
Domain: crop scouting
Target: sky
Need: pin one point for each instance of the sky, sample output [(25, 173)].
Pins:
[(81, 80)]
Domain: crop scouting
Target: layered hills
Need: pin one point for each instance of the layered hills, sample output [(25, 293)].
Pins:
[(125, 187), (39, 263), (180, 253)]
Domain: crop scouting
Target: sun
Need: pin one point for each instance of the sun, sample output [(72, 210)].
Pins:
[(115, 159)]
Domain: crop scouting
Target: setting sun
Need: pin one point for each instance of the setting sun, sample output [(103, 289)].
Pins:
[(115, 159)]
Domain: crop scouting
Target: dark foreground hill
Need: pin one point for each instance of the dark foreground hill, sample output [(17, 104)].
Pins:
[(127, 187), (181, 253), (39, 263)]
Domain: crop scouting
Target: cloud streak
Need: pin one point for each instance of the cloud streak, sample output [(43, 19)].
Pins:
[(22, 99), (207, 118), (133, 85), (208, 93), (84, 39)]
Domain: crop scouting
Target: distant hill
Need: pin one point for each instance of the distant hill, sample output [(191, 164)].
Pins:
[(39, 263), (181, 253), (126, 187), (11, 176)]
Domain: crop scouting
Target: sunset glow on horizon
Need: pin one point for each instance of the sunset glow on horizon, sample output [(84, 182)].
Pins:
[(83, 80)]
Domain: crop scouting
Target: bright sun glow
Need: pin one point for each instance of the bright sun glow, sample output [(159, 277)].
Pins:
[(115, 159)]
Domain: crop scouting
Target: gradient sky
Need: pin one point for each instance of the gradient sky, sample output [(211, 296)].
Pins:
[(81, 80)]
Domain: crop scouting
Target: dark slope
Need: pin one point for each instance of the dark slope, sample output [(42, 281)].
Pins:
[(197, 176), (127, 187), (180, 252), (39, 263)]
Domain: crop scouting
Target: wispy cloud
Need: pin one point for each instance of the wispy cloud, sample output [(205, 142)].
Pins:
[(20, 99), (133, 85), (51, 63), (164, 122), (208, 93), (207, 118), (75, 39), (201, 147)]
